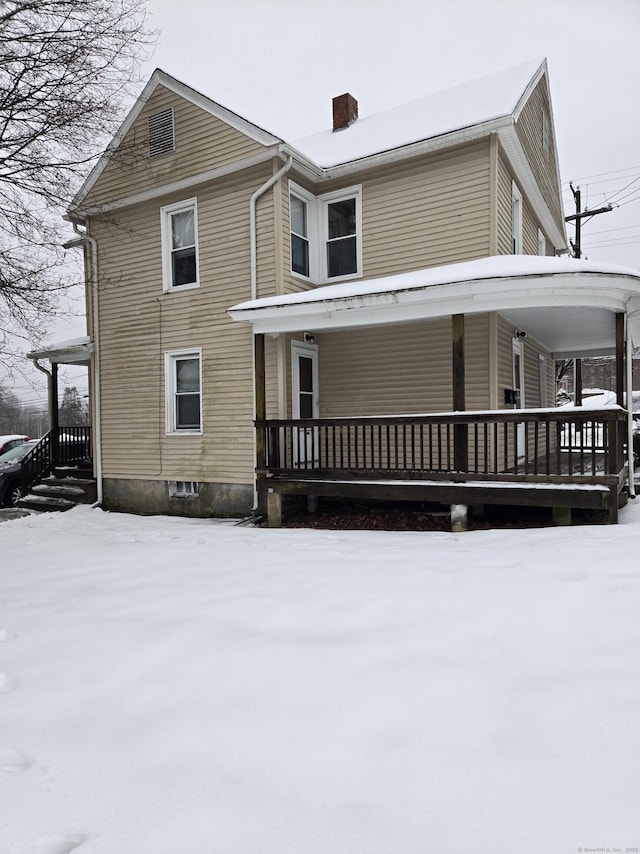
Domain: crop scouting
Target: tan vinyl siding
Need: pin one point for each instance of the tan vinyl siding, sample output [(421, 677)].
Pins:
[(415, 214), (403, 369), (529, 128), (202, 142), (427, 212), (532, 350), (139, 323)]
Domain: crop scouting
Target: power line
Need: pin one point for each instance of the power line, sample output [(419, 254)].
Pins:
[(600, 174)]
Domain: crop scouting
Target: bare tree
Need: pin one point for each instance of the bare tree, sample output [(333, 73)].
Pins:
[(67, 68)]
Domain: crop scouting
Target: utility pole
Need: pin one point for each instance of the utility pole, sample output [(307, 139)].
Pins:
[(576, 246)]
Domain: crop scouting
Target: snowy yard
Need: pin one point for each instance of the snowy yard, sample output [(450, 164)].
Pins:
[(172, 686)]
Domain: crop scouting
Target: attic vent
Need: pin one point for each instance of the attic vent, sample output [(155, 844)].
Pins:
[(161, 138)]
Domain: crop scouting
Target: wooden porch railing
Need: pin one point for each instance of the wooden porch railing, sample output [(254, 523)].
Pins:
[(522, 445), (62, 446)]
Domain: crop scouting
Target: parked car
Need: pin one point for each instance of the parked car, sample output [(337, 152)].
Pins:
[(11, 441), (11, 472)]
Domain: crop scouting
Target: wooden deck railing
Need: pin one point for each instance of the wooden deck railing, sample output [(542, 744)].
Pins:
[(510, 445), (62, 446)]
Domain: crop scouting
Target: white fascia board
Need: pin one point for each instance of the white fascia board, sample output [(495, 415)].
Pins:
[(432, 301), (183, 184), (522, 170), (393, 155), (541, 72)]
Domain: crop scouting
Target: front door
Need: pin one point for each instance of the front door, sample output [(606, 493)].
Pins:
[(518, 386), (304, 391)]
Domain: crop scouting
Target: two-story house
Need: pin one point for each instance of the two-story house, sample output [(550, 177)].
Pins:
[(370, 281)]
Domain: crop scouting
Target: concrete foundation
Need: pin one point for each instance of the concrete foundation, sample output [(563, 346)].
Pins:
[(153, 497)]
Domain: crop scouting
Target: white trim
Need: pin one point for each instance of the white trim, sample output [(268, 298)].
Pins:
[(542, 243), (312, 230), (161, 78), (516, 220), (512, 147), (170, 359), (324, 201), (177, 186), (500, 283), (301, 348), (166, 213)]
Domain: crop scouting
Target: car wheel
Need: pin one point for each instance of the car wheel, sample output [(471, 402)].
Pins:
[(14, 494)]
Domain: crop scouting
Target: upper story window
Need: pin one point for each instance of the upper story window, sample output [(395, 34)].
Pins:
[(161, 132), (299, 214), (516, 218), (183, 375), (180, 246), (326, 234), (342, 237)]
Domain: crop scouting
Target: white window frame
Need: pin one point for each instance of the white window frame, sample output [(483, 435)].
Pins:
[(187, 489), (542, 243), (325, 200), (516, 219), (166, 214), (318, 232), (312, 231), (171, 357)]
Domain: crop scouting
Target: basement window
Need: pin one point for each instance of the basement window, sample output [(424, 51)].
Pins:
[(161, 133), (183, 489)]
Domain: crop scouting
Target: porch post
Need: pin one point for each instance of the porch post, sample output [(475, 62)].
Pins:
[(460, 453), (260, 414), (577, 382), (54, 415), (620, 358)]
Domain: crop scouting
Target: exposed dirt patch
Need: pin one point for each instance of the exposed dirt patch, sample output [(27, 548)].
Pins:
[(408, 516)]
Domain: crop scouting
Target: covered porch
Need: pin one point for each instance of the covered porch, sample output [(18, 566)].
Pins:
[(561, 458), (70, 446)]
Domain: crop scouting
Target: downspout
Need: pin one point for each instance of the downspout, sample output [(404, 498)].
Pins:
[(254, 287), (49, 376), (629, 402), (97, 433)]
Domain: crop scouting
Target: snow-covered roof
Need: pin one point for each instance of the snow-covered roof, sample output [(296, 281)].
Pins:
[(479, 102), (566, 303), (73, 351)]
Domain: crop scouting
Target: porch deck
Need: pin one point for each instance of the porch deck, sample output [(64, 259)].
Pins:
[(554, 458)]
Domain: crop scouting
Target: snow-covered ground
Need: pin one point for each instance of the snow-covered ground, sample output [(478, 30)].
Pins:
[(173, 686)]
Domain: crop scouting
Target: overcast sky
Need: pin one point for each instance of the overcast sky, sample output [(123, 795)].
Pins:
[(278, 63)]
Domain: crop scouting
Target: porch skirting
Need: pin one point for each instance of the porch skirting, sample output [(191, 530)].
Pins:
[(154, 497)]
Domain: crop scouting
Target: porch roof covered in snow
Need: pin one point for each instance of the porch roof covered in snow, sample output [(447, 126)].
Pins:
[(568, 305), (76, 351)]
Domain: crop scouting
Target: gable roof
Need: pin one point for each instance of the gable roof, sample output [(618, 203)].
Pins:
[(161, 78), (476, 104), (463, 113)]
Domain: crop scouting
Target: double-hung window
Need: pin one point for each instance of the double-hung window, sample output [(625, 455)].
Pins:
[(342, 226), (326, 234), (183, 371), (299, 210), (180, 245)]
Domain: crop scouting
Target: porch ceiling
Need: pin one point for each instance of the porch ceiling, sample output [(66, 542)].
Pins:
[(567, 304)]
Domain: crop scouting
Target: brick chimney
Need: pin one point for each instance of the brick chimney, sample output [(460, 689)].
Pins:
[(345, 111)]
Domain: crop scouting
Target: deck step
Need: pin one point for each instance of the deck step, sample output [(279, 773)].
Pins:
[(45, 503)]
